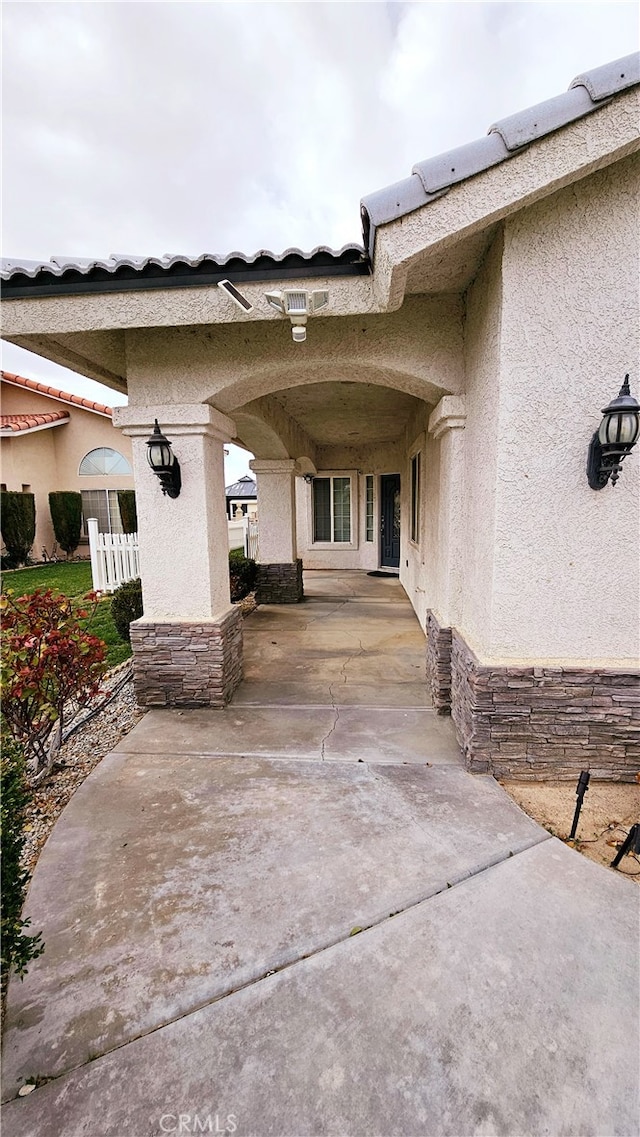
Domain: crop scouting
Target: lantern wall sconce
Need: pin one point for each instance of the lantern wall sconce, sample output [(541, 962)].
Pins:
[(615, 439), (164, 463)]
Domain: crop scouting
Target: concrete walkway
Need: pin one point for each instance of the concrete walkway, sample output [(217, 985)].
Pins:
[(301, 915)]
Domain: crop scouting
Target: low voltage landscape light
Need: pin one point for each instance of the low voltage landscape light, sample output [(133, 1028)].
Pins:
[(164, 463), (616, 437)]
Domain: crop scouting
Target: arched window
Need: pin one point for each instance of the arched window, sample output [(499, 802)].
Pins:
[(104, 460)]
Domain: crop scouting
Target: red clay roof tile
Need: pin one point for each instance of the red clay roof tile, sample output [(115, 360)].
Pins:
[(17, 424), (54, 393)]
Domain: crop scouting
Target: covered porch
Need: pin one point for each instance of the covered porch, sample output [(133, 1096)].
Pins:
[(338, 678)]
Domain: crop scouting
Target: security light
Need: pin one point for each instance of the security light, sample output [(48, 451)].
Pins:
[(298, 305)]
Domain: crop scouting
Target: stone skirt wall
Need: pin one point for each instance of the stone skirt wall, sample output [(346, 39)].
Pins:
[(540, 723), (187, 664), (280, 584), (439, 664)]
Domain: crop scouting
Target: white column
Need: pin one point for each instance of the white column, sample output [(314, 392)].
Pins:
[(276, 510), (447, 424), (184, 556)]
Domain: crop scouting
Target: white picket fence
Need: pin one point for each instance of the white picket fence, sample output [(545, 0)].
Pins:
[(251, 539), (115, 558), (243, 534)]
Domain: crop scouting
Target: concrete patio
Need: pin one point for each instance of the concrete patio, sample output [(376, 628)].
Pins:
[(300, 915)]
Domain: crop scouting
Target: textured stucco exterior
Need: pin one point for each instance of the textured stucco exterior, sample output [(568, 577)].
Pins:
[(498, 320), (49, 459), (567, 564)]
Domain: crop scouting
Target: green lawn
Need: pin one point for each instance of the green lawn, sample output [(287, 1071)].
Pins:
[(73, 579)]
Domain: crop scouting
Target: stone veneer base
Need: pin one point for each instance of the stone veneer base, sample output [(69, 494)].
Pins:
[(280, 584), (540, 723), (439, 664), (187, 663)]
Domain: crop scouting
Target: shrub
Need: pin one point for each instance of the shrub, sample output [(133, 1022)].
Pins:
[(47, 658), (65, 507), (128, 512), (242, 574), (18, 948), (126, 605), (18, 523)]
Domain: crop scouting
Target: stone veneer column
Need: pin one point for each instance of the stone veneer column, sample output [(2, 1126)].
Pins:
[(446, 423), (439, 664), (279, 579), (187, 648), (536, 722)]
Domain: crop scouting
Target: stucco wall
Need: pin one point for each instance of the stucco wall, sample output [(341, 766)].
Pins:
[(482, 367), (48, 460), (416, 558), (567, 559), (418, 350)]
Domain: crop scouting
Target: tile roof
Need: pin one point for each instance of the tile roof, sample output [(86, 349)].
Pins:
[(428, 181), (21, 424), (54, 393), (432, 178), (121, 272)]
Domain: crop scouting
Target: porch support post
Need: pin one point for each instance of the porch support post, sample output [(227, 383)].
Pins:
[(446, 423), (187, 648), (279, 578)]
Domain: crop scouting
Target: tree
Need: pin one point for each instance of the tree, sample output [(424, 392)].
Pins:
[(18, 523), (65, 507)]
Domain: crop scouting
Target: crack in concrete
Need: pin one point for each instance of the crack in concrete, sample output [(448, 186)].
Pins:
[(336, 717), (335, 706), (455, 882), (324, 615)]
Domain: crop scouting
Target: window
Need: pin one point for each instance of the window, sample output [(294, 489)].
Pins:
[(415, 498), (104, 460), (369, 509), (103, 505), (332, 509)]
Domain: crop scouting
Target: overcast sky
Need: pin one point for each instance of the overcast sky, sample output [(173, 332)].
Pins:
[(151, 128)]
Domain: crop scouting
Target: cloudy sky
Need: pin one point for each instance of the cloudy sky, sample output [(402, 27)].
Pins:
[(151, 128)]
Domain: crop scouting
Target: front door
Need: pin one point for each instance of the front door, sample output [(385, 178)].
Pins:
[(390, 521)]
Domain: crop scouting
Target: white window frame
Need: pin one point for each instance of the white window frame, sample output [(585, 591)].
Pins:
[(98, 489), (417, 448), (335, 546), (122, 474), (374, 506)]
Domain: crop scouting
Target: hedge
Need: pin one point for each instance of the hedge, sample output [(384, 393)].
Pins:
[(18, 524), (242, 574), (128, 513), (126, 605), (18, 948), (65, 507)]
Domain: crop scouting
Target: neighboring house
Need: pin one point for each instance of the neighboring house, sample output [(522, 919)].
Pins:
[(51, 440), (243, 496), (436, 421)]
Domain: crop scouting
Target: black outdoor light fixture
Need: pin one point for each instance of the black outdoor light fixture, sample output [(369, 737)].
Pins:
[(617, 435), (164, 463)]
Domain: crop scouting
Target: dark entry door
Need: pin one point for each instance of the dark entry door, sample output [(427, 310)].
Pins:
[(390, 521)]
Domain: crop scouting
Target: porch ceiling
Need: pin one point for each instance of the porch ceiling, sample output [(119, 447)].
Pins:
[(348, 413)]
